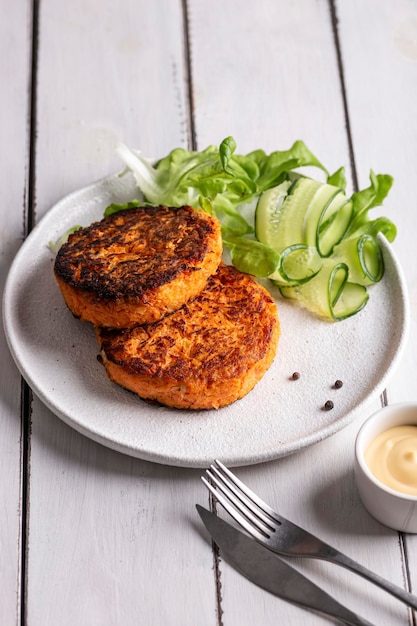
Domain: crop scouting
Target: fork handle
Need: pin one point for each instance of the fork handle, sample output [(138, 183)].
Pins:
[(338, 557)]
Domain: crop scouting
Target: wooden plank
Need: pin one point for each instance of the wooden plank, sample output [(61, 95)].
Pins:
[(384, 128), (278, 81), (267, 77), (111, 538), (15, 41), (118, 76)]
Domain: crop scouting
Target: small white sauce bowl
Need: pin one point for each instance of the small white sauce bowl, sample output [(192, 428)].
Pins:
[(392, 508)]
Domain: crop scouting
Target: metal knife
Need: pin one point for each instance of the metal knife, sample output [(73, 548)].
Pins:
[(268, 571)]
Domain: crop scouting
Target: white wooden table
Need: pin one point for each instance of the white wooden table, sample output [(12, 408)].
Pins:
[(89, 536)]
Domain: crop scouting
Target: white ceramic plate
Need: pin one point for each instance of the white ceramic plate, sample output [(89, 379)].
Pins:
[(56, 354)]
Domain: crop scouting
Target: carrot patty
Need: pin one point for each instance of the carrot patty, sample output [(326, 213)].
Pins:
[(138, 264), (205, 355)]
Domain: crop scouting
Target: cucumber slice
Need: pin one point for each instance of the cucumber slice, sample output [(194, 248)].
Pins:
[(279, 215), (333, 224), (268, 213), (327, 219), (306, 223), (318, 205), (364, 256), (352, 299), (298, 264), (329, 294)]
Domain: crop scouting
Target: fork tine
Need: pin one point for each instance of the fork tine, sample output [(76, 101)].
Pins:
[(250, 494), (239, 505), (250, 506), (238, 517)]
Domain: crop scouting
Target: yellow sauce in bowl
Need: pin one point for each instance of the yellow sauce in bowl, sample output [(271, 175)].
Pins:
[(392, 458)]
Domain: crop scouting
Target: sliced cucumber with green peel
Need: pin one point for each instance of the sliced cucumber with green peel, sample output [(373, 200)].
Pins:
[(318, 206), (333, 225), (327, 219), (306, 224), (280, 212), (299, 263), (364, 256), (330, 294), (352, 299), (307, 212)]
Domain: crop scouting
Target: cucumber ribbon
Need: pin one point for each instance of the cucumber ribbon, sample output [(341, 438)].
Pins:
[(328, 245)]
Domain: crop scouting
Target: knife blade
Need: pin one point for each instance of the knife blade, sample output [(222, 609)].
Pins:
[(268, 571)]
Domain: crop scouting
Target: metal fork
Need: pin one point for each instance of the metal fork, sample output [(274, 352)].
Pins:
[(279, 534)]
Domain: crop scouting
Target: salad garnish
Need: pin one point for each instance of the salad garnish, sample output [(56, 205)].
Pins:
[(319, 246)]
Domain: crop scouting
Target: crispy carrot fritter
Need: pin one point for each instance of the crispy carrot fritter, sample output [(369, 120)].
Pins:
[(209, 353), (137, 265)]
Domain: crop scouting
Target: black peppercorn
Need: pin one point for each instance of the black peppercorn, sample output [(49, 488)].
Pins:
[(295, 376), (329, 405), (338, 384)]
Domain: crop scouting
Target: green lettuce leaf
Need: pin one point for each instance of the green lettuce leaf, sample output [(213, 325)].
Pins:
[(54, 246), (215, 177), (251, 256), (115, 207), (367, 199)]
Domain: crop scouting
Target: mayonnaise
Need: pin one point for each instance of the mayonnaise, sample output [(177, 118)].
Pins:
[(392, 458)]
